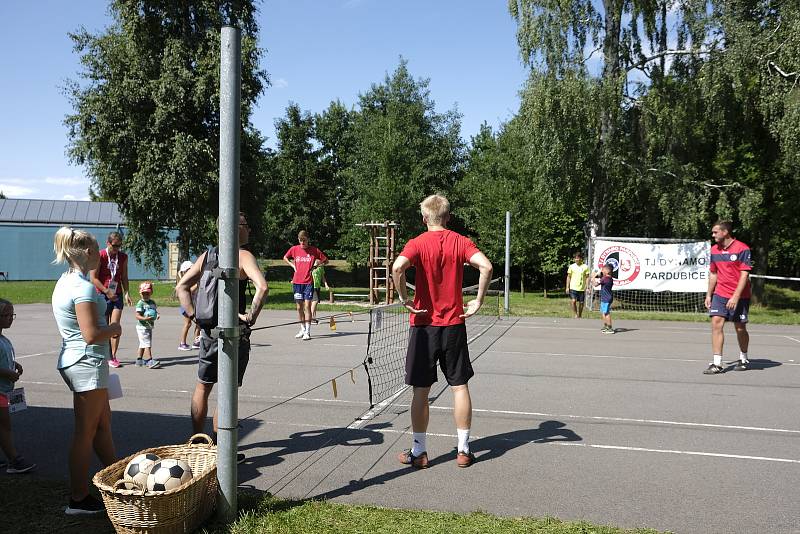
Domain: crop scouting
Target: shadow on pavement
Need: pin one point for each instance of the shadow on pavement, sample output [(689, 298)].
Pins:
[(494, 447)]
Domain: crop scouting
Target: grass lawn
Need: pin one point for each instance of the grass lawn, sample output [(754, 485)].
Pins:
[(32, 505)]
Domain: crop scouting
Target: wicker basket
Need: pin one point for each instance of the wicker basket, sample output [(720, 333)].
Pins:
[(181, 509)]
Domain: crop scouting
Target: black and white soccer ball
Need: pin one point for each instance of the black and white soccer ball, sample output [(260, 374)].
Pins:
[(135, 475), (168, 474)]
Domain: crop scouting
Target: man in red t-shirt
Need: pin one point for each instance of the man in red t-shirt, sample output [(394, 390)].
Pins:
[(728, 297), (111, 280), (303, 258), (438, 333)]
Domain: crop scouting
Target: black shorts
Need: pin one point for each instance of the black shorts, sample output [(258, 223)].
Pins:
[(207, 363), (445, 344)]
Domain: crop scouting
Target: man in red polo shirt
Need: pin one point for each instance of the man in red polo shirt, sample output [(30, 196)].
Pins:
[(438, 333), (728, 297)]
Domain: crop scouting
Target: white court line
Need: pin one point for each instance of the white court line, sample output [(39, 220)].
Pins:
[(371, 413), (573, 444), (660, 329), (607, 356), (37, 354), (378, 408), (793, 339)]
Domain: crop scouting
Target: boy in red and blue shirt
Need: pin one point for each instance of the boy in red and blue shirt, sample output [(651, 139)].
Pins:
[(303, 258), (728, 296)]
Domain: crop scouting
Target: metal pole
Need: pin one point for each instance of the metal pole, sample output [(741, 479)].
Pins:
[(507, 288), (228, 288)]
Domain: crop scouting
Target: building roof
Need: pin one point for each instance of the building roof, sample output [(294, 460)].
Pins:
[(19, 210)]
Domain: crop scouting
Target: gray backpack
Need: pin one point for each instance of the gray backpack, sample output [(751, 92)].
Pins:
[(205, 308)]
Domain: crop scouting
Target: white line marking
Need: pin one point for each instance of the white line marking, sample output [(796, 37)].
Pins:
[(573, 444), (608, 356), (649, 329), (371, 413), (37, 354), (793, 339)]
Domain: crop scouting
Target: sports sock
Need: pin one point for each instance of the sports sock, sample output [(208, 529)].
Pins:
[(308, 328), (743, 356), (718, 360), (418, 445), (463, 439)]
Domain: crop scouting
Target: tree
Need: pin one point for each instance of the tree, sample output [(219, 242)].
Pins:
[(557, 38), (403, 150), (146, 119), (303, 189)]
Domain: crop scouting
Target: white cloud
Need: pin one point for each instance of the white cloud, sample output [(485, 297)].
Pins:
[(11, 190), (57, 180), (280, 83)]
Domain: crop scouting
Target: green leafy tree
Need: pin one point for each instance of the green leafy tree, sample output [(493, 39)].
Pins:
[(303, 189), (146, 118), (403, 150)]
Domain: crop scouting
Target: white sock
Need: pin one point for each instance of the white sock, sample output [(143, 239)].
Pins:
[(718, 360), (308, 328), (743, 356), (463, 439), (418, 445)]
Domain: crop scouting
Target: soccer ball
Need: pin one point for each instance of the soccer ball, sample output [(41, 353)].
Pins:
[(150, 313), (168, 474), (135, 475)]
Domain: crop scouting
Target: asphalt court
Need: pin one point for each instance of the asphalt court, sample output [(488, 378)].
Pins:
[(617, 429)]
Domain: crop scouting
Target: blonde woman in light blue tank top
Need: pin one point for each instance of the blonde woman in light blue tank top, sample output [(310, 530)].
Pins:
[(83, 362)]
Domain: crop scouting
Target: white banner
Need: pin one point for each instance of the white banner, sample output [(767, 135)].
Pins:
[(679, 267)]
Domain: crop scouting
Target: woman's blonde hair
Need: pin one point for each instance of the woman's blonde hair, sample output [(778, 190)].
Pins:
[(436, 209), (70, 246)]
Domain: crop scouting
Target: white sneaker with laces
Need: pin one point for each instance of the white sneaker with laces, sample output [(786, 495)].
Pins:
[(306, 336), (301, 333)]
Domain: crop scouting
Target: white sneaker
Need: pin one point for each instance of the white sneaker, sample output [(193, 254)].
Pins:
[(306, 336), (300, 334)]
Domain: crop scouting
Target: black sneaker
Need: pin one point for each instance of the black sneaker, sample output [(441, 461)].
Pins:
[(742, 365), (89, 505), (20, 465), (713, 370)]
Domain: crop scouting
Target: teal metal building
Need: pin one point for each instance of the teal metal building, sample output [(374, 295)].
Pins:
[(27, 228)]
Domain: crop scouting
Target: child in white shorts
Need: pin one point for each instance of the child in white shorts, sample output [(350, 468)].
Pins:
[(146, 315)]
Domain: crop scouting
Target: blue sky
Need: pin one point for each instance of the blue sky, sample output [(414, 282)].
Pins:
[(316, 51)]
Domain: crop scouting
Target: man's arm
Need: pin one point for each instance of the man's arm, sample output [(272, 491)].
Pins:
[(249, 266), (99, 284), (185, 284), (734, 300), (399, 268), (712, 283), (569, 276), (482, 263), (125, 282), (287, 260)]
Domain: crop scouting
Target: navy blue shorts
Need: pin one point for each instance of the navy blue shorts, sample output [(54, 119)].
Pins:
[(738, 315), (577, 296), (303, 292), (111, 304)]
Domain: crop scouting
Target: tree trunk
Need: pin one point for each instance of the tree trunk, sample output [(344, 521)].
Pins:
[(760, 247), (522, 282), (609, 109), (183, 247), (544, 283)]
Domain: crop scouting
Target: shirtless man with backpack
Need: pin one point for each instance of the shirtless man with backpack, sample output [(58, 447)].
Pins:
[(205, 316)]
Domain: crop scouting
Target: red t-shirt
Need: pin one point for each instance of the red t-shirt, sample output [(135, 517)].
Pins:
[(728, 263), (439, 259), (304, 262), (111, 266)]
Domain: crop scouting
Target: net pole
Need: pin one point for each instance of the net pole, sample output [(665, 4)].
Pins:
[(507, 280), (228, 287)]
